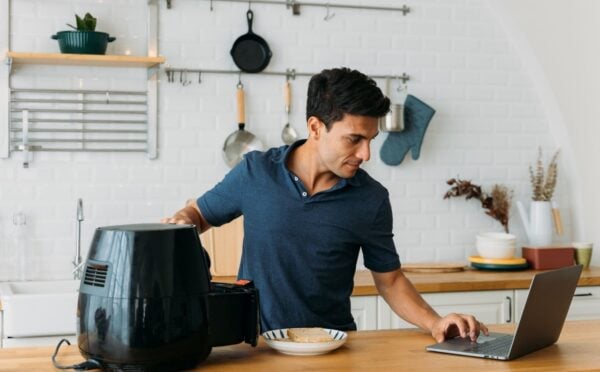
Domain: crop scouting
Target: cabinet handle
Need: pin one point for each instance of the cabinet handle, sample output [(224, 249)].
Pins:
[(509, 320), (582, 294)]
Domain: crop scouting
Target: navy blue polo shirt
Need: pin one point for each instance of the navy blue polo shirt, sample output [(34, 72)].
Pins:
[(301, 250)]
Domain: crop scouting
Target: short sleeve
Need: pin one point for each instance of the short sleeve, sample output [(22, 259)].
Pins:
[(223, 203), (379, 251)]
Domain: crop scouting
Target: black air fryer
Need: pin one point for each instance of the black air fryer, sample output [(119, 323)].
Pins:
[(146, 301)]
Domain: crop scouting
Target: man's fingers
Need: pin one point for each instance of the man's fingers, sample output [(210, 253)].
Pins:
[(461, 325), (176, 221), (484, 329)]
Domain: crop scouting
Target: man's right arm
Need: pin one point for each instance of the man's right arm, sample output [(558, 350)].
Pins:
[(190, 214)]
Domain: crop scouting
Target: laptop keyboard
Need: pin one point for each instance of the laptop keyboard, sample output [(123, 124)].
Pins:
[(499, 346)]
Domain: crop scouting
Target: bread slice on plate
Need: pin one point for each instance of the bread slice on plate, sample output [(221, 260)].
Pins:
[(309, 335)]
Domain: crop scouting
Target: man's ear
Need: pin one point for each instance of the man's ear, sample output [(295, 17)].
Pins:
[(314, 126)]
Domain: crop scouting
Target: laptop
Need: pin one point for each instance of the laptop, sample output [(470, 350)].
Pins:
[(550, 295)]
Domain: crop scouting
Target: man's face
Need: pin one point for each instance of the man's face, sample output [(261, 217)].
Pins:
[(347, 144)]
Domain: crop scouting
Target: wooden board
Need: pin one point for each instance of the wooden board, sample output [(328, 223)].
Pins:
[(224, 246), (433, 267), (84, 59)]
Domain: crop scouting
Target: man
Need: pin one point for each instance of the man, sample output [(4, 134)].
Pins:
[(308, 209)]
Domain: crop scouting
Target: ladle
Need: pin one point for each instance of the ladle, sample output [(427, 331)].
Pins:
[(288, 133)]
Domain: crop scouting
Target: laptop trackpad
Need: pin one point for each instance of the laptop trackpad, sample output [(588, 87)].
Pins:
[(465, 344), (483, 338)]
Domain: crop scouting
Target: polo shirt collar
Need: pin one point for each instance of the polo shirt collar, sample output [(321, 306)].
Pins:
[(353, 181)]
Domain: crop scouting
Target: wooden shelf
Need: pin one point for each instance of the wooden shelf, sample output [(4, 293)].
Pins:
[(83, 59)]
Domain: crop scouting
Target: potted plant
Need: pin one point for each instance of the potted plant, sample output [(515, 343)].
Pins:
[(538, 222), (85, 39)]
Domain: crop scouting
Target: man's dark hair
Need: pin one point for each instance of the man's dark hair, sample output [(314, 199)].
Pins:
[(338, 91)]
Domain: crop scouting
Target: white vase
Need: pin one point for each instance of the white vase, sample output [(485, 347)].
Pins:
[(538, 222)]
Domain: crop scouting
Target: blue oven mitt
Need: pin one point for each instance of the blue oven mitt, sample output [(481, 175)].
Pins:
[(417, 115)]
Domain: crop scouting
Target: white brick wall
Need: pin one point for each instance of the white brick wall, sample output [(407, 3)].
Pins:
[(488, 124)]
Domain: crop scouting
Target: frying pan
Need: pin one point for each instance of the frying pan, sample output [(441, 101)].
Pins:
[(241, 141), (250, 52)]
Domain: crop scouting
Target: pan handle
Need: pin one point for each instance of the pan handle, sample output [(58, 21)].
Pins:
[(241, 107), (287, 96), (250, 18)]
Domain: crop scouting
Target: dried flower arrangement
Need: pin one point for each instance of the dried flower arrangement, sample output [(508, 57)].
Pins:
[(543, 187), (496, 203)]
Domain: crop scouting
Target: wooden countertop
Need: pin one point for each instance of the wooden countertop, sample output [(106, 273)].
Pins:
[(577, 349), (468, 280)]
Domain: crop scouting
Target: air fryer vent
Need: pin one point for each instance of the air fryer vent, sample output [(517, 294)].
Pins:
[(95, 275)]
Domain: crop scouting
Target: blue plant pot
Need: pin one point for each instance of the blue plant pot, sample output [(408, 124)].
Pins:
[(83, 42)]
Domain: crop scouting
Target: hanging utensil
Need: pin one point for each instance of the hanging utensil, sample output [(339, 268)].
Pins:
[(393, 121), (288, 133), (241, 141), (250, 52)]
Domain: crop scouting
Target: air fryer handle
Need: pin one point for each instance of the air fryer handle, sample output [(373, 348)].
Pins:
[(252, 330)]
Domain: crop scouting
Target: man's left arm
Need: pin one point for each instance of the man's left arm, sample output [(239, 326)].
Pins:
[(405, 301)]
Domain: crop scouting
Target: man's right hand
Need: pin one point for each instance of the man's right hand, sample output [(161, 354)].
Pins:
[(189, 215)]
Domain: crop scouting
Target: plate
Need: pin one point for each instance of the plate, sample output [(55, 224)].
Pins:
[(498, 261), (502, 264), (499, 267), (278, 340)]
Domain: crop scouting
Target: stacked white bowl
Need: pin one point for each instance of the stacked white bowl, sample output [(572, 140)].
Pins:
[(496, 245)]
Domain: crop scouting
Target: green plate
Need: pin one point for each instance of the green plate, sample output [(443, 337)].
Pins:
[(500, 267)]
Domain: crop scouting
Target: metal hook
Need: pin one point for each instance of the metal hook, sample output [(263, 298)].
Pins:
[(249, 5), (107, 98), (183, 79), (402, 86), (329, 15), (199, 77), (239, 84), (290, 74), (211, 6)]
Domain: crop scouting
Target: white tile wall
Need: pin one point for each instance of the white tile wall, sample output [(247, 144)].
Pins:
[(488, 124)]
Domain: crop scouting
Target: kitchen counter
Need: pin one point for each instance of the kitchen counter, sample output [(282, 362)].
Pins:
[(468, 280), (577, 349)]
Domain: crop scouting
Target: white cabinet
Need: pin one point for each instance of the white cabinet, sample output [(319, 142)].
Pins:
[(585, 304), (490, 307), (364, 311)]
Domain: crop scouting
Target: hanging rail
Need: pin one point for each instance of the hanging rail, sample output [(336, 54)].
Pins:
[(81, 91), (290, 74), (295, 5)]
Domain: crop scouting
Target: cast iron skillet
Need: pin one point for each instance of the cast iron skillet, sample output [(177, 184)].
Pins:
[(250, 52)]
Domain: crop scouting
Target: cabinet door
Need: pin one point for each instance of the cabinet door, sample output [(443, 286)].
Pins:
[(490, 307), (364, 311), (585, 304), (224, 246)]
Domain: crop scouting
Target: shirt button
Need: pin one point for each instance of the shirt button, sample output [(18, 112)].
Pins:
[(304, 194), (295, 178)]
